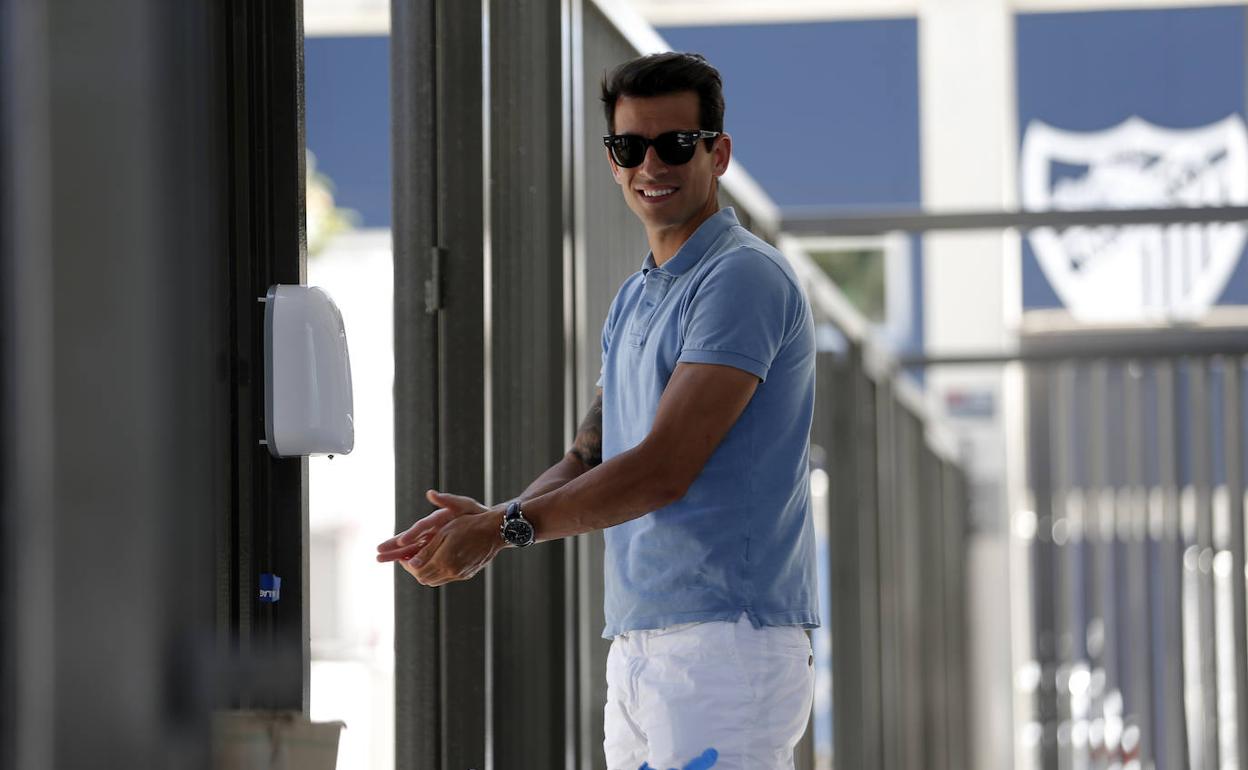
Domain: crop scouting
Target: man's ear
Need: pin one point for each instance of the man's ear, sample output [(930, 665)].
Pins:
[(722, 150)]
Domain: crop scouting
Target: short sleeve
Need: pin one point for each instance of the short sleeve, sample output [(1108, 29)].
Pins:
[(608, 327), (740, 314), (606, 347)]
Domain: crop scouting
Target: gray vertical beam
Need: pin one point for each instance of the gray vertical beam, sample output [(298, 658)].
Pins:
[(889, 604), (912, 592), (26, 526), (867, 440), (440, 635), (530, 723), (1233, 448), (1139, 667), (1099, 505), (461, 230), (1173, 733), (1061, 448), (835, 429), (1201, 466), (1039, 395), (417, 622), (934, 615), (956, 505)]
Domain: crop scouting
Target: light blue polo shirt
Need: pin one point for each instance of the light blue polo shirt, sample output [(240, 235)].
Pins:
[(742, 539)]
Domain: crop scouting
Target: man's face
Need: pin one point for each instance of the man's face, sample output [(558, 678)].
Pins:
[(667, 197)]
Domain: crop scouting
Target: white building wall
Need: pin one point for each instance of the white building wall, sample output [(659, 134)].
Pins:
[(970, 283)]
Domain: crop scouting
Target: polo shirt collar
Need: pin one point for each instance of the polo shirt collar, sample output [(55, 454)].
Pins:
[(692, 251)]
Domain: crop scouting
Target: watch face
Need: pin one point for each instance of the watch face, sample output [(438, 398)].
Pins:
[(518, 532)]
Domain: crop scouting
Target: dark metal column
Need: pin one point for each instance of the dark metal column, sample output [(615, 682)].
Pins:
[(1173, 755), (956, 504), (1040, 476), (1138, 670), (836, 431), (1201, 471), (1233, 438), (440, 393), (934, 612), (417, 622), (532, 720), (1056, 536), (868, 437)]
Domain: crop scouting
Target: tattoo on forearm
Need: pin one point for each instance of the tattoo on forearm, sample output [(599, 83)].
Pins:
[(588, 444)]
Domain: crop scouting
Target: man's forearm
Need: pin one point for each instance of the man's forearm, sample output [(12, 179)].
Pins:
[(553, 478), (630, 485)]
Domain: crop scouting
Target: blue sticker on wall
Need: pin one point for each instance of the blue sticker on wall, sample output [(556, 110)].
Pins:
[(270, 588)]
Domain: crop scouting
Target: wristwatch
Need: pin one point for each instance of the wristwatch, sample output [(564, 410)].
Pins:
[(516, 529)]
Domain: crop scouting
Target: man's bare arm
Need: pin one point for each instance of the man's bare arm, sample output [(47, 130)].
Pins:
[(586, 453), (699, 405)]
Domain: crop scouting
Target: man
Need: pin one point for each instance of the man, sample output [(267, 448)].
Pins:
[(693, 458)]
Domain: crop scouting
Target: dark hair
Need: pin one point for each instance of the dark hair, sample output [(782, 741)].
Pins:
[(667, 73)]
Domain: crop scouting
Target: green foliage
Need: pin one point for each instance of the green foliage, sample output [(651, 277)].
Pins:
[(860, 275)]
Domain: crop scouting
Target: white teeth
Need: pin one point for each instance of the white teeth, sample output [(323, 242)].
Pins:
[(658, 193)]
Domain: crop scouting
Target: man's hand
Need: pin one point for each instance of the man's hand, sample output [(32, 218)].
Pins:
[(410, 542), (458, 550)]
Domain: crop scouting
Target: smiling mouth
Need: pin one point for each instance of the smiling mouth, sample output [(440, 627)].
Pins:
[(657, 194)]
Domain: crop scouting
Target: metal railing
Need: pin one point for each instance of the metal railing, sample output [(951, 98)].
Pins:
[(1134, 546)]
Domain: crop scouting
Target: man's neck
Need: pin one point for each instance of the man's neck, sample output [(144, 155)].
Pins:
[(664, 243)]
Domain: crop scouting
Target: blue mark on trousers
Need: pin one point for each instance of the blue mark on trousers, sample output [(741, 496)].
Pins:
[(703, 762)]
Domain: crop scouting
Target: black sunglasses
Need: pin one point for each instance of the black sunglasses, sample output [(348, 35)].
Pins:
[(674, 148)]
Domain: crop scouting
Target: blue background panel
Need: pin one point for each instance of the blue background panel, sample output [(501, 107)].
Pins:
[(821, 114), (1089, 71), (348, 120)]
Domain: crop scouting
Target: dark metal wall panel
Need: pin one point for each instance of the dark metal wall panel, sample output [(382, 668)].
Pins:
[(529, 593), (613, 241), (25, 388), (120, 312), (259, 49)]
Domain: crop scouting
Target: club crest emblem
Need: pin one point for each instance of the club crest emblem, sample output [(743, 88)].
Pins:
[(1136, 272)]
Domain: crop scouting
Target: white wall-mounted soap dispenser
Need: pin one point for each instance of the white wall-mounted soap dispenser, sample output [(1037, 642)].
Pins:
[(307, 373)]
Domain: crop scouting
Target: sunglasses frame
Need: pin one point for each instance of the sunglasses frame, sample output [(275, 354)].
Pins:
[(692, 137)]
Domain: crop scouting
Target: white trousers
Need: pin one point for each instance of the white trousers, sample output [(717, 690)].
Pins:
[(675, 692)]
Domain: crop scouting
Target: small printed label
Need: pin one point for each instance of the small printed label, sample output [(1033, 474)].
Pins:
[(270, 587)]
